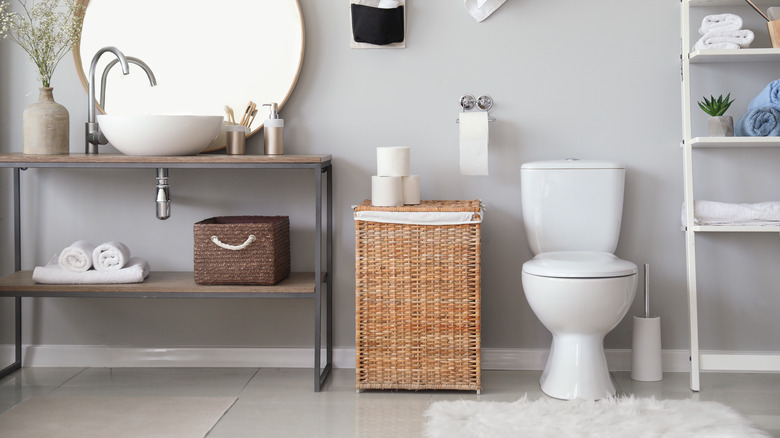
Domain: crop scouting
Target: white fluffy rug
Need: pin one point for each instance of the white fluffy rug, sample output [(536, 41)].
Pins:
[(618, 417)]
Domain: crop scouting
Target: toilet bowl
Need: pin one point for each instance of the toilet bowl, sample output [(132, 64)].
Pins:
[(579, 311), (575, 285)]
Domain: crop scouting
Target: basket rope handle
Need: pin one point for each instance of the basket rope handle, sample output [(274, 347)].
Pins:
[(219, 243)]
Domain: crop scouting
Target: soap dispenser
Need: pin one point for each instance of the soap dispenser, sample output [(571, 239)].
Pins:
[(273, 132)]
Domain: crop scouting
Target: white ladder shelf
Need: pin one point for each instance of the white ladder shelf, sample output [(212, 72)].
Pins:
[(735, 361)]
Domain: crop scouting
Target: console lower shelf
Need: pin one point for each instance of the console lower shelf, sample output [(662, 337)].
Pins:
[(159, 284)]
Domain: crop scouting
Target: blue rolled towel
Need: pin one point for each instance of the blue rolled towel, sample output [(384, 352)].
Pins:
[(758, 122), (769, 96)]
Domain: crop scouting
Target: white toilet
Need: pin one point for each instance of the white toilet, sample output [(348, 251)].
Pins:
[(575, 285)]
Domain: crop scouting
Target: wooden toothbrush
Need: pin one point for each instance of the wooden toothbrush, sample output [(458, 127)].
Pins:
[(252, 119), (229, 112), (246, 113)]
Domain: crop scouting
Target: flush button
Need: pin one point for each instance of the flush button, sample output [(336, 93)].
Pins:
[(572, 159)]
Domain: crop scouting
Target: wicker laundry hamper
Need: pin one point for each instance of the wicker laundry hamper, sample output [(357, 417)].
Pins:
[(418, 301), (251, 250)]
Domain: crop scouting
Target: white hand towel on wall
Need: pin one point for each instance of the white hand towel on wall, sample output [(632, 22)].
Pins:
[(473, 143), (77, 257), (481, 9), (110, 256), (719, 23)]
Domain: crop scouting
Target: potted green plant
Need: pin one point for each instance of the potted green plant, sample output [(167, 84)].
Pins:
[(719, 125)]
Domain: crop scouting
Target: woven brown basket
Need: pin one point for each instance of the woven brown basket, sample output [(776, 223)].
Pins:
[(418, 321), (226, 254)]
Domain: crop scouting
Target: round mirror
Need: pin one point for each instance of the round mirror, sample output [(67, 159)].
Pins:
[(205, 55)]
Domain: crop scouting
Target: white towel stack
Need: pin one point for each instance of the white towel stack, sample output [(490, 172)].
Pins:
[(85, 263), (723, 31)]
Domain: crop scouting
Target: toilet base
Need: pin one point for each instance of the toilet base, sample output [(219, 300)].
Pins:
[(577, 369)]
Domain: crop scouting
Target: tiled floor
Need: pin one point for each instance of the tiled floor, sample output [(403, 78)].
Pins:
[(281, 403)]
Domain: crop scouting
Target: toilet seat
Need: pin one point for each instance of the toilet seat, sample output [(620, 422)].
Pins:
[(578, 264)]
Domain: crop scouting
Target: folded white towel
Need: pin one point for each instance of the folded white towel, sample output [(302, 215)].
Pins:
[(77, 257), (136, 271), (110, 256), (719, 23), (723, 213), (730, 39), (481, 9)]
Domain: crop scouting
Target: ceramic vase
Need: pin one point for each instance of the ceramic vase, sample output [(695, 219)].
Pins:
[(46, 126), (720, 126)]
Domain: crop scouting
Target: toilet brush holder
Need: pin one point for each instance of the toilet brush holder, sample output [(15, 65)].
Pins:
[(646, 352)]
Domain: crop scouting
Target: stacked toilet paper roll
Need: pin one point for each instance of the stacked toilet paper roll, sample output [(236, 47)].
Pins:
[(392, 185)]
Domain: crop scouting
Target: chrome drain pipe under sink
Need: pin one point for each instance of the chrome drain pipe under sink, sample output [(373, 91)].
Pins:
[(163, 199)]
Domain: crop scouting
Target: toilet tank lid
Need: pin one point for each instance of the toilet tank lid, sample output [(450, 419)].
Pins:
[(578, 264), (572, 163)]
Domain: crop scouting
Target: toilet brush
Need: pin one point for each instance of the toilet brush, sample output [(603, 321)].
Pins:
[(646, 352)]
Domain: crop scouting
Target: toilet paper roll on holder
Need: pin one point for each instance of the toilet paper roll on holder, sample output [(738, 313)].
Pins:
[(484, 102)]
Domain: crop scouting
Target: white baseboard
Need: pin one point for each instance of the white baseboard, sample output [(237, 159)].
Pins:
[(123, 357), (105, 356), (536, 359)]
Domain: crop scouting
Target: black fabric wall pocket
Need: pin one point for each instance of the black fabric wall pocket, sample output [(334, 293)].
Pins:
[(377, 26)]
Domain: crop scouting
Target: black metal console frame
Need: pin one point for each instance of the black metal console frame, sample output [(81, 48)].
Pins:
[(322, 168)]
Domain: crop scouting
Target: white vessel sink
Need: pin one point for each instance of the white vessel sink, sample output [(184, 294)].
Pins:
[(160, 134)]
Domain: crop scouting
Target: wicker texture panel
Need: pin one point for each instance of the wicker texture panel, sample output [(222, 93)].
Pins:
[(418, 302), (266, 261)]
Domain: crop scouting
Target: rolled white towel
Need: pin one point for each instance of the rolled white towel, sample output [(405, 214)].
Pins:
[(77, 257), (110, 256), (731, 39), (719, 23)]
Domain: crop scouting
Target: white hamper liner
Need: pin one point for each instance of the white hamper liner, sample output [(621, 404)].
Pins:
[(421, 217)]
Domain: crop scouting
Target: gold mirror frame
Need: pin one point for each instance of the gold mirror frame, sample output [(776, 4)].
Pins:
[(233, 53)]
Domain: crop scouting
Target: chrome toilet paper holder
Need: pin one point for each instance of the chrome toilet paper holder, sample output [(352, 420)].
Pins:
[(484, 103)]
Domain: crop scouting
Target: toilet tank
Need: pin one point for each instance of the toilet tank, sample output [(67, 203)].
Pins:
[(572, 205)]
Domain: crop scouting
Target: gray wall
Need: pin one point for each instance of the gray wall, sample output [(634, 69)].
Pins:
[(597, 80)]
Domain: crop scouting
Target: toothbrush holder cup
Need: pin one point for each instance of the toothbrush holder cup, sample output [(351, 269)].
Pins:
[(235, 139)]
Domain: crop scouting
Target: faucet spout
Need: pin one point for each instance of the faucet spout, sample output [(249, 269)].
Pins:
[(94, 137), (110, 65)]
